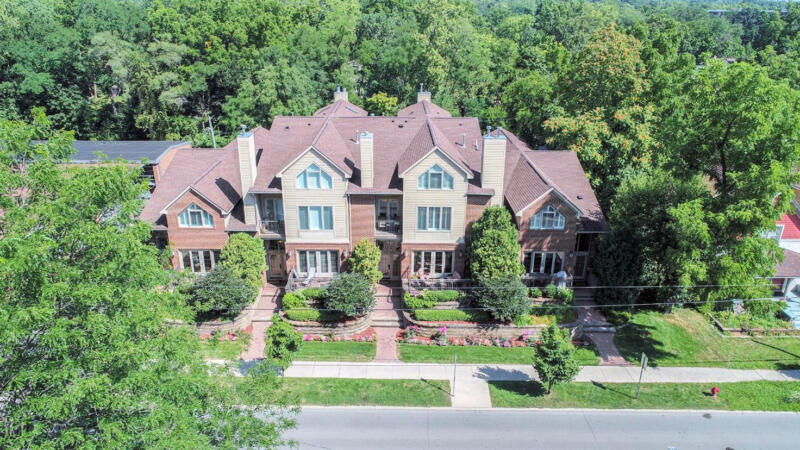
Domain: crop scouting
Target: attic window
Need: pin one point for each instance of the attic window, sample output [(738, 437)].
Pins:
[(435, 178), (548, 218), (195, 217), (313, 178)]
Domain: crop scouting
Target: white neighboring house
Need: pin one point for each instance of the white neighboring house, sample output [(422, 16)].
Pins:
[(787, 233)]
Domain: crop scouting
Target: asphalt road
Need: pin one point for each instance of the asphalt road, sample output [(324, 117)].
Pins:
[(387, 428)]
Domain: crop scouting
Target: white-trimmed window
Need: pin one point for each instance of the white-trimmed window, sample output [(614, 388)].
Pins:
[(435, 178), (315, 217), (548, 218), (774, 234), (434, 263), (199, 261), (325, 262), (544, 262), (433, 218), (195, 217), (313, 178)]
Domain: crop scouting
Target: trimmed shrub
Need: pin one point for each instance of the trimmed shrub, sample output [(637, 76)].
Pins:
[(313, 294), (351, 293), (505, 298), (281, 343), (293, 300), (441, 296), (417, 302), (558, 293), (219, 293), (365, 259), (245, 256), (451, 315), (313, 315), (534, 292), (429, 299)]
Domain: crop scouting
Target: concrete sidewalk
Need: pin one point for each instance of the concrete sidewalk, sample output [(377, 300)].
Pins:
[(470, 381), (519, 372)]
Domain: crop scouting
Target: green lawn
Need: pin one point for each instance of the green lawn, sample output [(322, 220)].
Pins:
[(477, 354), (230, 350), (753, 395), (336, 351), (687, 338), (363, 392)]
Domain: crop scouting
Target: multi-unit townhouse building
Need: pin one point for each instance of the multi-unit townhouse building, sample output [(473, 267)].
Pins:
[(313, 186)]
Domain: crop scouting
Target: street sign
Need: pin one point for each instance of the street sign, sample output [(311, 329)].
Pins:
[(641, 373)]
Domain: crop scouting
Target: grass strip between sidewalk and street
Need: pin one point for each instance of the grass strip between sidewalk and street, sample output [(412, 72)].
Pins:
[(686, 338), (415, 353), (336, 351), (740, 396), (367, 392)]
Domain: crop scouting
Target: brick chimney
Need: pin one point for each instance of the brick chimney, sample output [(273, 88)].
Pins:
[(365, 143), (340, 94), (246, 146), (423, 94), (493, 163)]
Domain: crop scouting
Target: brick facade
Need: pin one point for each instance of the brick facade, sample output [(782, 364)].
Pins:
[(549, 240), (183, 238)]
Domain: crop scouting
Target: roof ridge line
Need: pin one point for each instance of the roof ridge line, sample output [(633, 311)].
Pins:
[(430, 130), (535, 168), (207, 171)]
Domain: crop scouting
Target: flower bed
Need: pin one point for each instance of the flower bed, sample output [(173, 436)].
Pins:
[(367, 335), (744, 324), (491, 330), (411, 336)]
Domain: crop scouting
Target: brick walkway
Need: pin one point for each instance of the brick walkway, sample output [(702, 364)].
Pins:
[(387, 344), (386, 321), (603, 341), (266, 305)]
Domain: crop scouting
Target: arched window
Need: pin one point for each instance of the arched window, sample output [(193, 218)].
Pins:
[(313, 178), (195, 217), (548, 218), (435, 178)]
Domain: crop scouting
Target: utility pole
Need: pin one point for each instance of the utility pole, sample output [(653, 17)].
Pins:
[(211, 128)]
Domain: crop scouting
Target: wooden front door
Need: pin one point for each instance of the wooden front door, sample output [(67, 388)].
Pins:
[(390, 259), (276, 259)]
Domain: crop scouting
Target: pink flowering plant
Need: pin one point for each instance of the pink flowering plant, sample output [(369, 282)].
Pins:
[(440, 338)]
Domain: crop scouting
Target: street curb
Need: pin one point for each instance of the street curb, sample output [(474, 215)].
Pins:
[(550, 410)]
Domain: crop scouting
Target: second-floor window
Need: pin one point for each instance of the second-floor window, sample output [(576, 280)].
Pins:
[(195, 217), (272, 209), (433, 218), (548, 218), (316, 217), (435, 178), (313, 178)]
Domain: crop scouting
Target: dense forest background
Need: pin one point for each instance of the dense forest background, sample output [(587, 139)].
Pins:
[(684, 114), (177, 63)]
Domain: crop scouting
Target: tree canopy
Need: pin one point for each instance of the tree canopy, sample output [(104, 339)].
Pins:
[(89, 353)]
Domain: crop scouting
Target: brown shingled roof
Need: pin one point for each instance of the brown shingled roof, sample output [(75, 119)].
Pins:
[(790, 266)]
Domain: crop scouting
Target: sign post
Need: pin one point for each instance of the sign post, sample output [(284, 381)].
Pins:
[(644, 366), (453, 387)]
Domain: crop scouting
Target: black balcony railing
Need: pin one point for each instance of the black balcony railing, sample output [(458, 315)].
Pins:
[(388, 226), (272, 226)]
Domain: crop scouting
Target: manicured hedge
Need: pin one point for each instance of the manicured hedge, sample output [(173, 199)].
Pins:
[(293, 300), (313, 294), (429, 299), (446, 315), (313, 315)]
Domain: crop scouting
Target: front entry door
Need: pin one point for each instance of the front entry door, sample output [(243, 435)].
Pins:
[(390, 259), (276, 258)]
